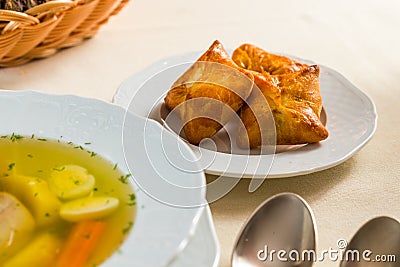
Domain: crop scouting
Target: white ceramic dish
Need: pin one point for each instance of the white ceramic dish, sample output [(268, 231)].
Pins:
[(160, 231), (351, 122)]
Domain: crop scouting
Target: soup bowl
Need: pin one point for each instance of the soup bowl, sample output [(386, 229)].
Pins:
[(170, 196)]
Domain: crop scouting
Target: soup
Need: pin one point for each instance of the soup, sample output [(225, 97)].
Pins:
[(60, 204)]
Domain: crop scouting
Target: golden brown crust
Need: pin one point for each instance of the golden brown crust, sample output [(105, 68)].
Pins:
[(213, 76), (253, 58), (293, 95)]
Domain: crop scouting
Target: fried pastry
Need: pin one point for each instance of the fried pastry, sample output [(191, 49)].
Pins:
[(209, 93), (293, 95), (253, 58)]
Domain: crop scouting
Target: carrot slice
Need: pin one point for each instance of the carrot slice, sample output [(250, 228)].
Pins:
[(80, 243)]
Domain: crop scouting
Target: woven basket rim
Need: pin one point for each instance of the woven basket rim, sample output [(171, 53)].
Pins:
[(44, 7), (73, 21), (34, 15)]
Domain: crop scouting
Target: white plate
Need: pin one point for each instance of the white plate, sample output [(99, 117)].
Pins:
[(351, 122), (160, 231)]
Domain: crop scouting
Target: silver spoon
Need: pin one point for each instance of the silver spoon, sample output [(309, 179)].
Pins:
[(283, 222), (378, 237)]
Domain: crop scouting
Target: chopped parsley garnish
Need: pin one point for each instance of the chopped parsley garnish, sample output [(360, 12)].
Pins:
[(132, 200), (127, 228), (115, 166), (29, 156), (87, 143), (15, 137), (42, 139), (59, 169), (87, 236), (11, 166), (124, 178)]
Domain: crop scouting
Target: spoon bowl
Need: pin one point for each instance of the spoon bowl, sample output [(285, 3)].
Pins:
[(380, 236), (277, 234)]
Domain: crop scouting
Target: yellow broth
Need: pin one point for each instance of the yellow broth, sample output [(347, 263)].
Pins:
[(35, 157)]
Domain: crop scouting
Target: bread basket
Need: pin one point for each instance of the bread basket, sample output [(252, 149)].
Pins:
[(44, 29)]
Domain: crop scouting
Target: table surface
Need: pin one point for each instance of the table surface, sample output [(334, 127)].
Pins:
[(360, 39)]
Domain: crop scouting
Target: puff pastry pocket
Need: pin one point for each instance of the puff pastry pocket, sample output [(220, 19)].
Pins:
[(253, 58), (293, 95), (209, 93)]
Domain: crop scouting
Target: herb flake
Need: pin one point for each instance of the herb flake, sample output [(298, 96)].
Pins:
[(11, 166), (59, 169), (14, 137), (124, 178), (132, 200), (127, 228)]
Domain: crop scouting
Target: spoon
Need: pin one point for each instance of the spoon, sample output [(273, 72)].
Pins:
[(381, 236), (283, 222)]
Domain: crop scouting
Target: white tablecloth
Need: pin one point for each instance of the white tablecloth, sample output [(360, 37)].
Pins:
[(360, 39)]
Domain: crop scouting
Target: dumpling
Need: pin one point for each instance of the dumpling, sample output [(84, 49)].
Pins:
[(293, 95), (209, 93)]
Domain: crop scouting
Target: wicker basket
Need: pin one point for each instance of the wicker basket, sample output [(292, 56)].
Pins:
[(44, 29)]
